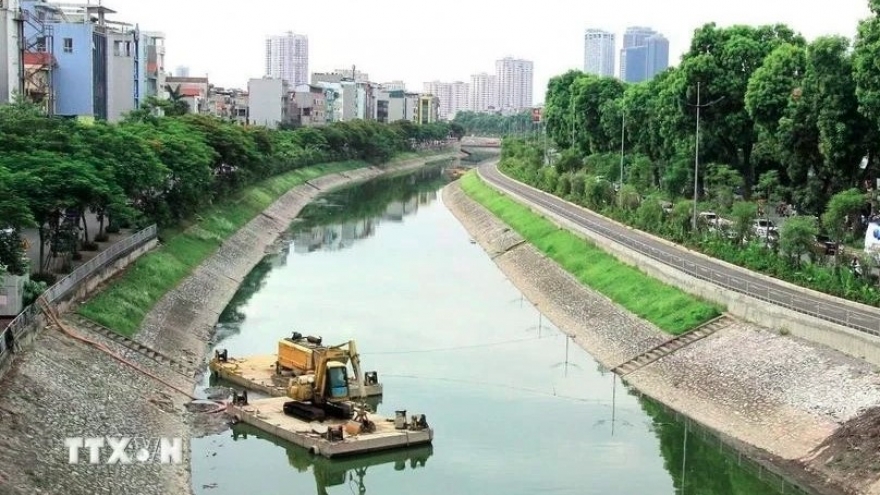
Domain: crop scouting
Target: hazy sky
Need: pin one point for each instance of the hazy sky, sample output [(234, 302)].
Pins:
[(419, 41)]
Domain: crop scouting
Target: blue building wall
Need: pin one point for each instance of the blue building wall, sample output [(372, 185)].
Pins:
[(636, 64), (74, 77), (646, 61), (657, 56)]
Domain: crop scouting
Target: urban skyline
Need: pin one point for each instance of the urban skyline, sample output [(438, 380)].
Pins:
[(509, 89), (643, 53), (210, 49), (646, 51)]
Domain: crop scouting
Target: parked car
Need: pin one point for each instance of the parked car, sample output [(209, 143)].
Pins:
[(764, 228), (709, 218), (824, 246)]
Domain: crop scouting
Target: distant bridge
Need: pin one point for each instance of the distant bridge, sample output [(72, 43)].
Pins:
[(480, 142)]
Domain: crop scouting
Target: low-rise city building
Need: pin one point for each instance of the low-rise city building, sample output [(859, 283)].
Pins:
[(268, 102)]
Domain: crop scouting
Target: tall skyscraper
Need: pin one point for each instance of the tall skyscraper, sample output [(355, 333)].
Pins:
[(482, 94), (287, 57), (453, 97), (515, 80), (644, 54), (599, 52), (658, 54), (443, 91), (633, 37)]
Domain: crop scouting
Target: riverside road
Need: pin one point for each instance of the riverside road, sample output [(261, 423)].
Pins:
[(864, 318)]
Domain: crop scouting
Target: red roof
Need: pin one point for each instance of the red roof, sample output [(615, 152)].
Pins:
[(38, 58), (190, 92)]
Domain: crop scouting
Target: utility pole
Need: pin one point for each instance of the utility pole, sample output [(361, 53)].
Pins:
[(697, 157), (622, 137), (699, 106)]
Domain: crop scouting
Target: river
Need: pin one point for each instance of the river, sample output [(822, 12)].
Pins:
[(516, 408)]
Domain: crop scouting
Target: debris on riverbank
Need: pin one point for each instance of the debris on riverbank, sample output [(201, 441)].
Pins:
[(852, 453), (781, 395)]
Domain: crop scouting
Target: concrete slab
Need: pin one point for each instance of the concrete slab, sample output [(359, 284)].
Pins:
[(268, 415), (258, 373)]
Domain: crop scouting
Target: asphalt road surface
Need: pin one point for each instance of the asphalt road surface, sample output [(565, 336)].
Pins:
[(865, 318)]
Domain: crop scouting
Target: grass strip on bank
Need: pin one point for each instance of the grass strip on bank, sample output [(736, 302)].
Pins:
[(123, 305), (669, 308)]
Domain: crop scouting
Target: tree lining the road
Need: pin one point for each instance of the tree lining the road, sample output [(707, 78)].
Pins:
[(150, 169), (782, 121), (785, 112)]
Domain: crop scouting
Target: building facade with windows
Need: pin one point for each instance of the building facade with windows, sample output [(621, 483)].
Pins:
[(453, 97), (599, 52), (93, 67), (483, 93), (428, 110), (644, 54), (287, 58), (515, 84)]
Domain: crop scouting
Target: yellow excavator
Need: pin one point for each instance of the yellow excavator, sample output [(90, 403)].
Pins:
[(325, 391), (299, 355)]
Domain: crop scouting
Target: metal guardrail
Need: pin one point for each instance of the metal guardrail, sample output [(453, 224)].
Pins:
[(761, 291), (24, 321)]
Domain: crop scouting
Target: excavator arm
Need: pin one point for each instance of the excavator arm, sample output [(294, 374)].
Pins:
[(356, 367), (320, 384)]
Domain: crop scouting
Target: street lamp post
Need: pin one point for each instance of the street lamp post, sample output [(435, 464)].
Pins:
[(622, 138), (697, 157), (699, 106)]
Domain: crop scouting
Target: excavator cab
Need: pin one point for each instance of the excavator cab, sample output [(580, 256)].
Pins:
[(326, 395), (337, 380)]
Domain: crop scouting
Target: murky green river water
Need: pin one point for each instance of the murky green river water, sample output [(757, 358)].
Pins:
[(515, 410)]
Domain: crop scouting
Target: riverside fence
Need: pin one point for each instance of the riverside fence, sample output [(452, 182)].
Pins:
[(25, 323)]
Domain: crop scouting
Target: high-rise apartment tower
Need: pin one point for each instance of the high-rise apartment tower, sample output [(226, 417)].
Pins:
[(287, 58)]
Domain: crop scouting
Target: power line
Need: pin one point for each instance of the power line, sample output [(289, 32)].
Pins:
[(473, 346), (535, 391)]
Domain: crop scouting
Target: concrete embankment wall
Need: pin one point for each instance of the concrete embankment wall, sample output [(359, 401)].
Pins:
[(765, 314)]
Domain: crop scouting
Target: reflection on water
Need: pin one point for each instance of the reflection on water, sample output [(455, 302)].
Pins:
[(352, 214), (516, 406), (349, 472), (700, 464)]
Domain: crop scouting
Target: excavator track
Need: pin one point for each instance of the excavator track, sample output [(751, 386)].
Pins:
[(304, 411), (311, 412)]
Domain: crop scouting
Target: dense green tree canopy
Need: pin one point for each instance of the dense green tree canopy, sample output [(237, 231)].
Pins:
[(491, 124), (770, 103), (161, 169)]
